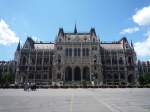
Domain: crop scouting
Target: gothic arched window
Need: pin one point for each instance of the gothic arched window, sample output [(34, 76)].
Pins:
[(120, 60), (59, 59), (83, 51), (24, 60), (75, 51), (93, 39), (129, 60), (95, 59), (66, 51), (87, 52), (79, 51), (70, 51)]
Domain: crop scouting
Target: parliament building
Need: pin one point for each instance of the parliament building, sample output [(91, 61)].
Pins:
[(76, 57)]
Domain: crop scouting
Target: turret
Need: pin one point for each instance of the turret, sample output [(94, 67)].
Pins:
[(92, 31), (18, 47)]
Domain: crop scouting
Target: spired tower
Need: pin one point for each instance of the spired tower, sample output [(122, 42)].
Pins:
[(77, 57)]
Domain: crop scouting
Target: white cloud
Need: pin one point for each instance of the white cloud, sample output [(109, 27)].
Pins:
[(7, 36), (130, 30), (143, 48), (142, 16)]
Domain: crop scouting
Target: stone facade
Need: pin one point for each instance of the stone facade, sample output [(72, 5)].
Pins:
[(75, 58)]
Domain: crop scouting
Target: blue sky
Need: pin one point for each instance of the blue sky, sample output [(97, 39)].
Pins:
[(41, 19)]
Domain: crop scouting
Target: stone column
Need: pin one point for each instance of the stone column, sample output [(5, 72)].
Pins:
[(72, 74), (81, 75), (64, 76), (81, 52), (91, 74), (119, 79), (35, 66)]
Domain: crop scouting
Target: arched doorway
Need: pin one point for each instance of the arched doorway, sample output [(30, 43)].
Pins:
[(77, 74), (68, 74), (86, 74)]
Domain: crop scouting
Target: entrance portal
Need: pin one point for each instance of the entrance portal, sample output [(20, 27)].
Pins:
[(77, 74), (68, 74), (86, 74)]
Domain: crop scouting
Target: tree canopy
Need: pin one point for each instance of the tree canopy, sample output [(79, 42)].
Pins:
[(144, 79)]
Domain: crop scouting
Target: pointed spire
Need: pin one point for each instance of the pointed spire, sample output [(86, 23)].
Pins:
[(75, 29), (131, 44), (61, 32), (18, 47)]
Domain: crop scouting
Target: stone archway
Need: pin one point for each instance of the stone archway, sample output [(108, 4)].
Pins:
[(77, 74), (68, 74), (86, 73)]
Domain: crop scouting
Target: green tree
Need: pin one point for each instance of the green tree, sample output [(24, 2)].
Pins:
[(7, 78), (144, 79)]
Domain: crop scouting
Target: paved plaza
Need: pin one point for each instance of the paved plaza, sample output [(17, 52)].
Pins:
[(75, 100)]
